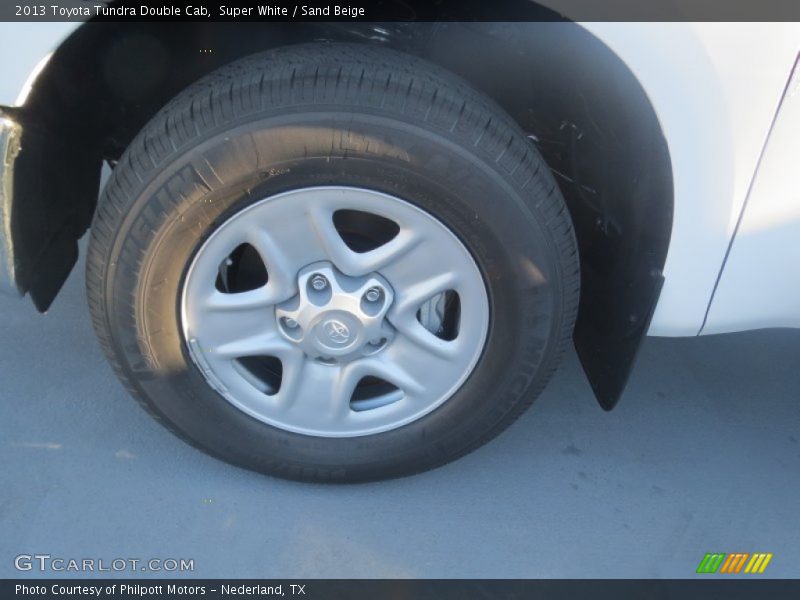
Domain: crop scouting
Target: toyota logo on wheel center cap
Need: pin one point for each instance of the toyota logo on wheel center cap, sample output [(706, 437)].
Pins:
[(336, 331), (335, 334)]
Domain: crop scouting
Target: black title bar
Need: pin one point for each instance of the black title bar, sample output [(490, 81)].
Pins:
[(401, 589), (400, 10)]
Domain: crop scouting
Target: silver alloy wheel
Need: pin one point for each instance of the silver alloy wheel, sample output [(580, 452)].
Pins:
[(335, 317)]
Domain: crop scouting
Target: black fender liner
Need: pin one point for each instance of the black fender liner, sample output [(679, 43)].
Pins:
[(51, 178)]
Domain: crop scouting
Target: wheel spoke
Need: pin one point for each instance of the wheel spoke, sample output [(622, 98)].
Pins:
[(235, 325), (244, 303), (358, 263), (410, 380), (281, 270), (409, 327), (416, 369), (425, 279), (317, 395), (424, 271), (292, 364), (267, 343)]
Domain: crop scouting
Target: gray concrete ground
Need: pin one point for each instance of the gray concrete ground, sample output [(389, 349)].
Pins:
[(702, 455)]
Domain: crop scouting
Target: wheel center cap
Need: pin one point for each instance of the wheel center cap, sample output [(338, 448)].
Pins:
[(336, 317)]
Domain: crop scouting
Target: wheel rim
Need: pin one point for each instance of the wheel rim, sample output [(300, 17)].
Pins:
[(366, 313)]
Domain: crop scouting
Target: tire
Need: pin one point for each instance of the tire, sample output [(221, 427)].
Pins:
[(327, 116)]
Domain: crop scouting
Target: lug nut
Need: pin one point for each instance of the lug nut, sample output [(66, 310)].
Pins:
[(289, 322), (318, 282), (373, 294)]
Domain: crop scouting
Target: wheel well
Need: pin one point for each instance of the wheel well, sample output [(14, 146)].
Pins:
[(578, 101)]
